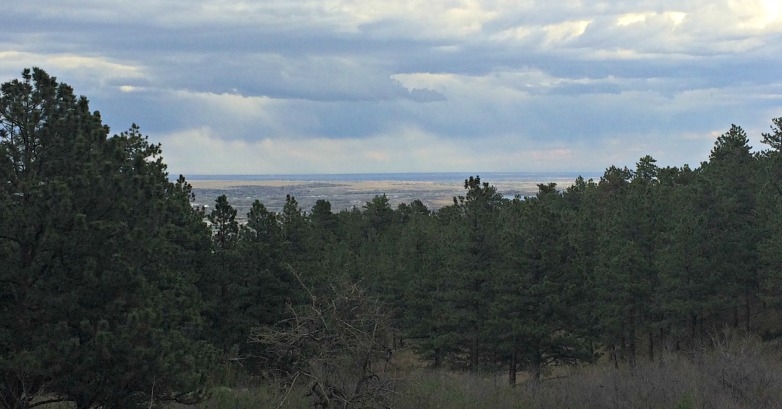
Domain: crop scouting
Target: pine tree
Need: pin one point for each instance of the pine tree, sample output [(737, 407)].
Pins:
[(97, 306), (477, 241), (537, 294), (727, 196)]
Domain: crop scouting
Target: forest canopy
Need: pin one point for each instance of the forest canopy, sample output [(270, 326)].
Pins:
[(117, 292)]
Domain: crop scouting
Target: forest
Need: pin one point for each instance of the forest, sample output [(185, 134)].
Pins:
[(116, 292)]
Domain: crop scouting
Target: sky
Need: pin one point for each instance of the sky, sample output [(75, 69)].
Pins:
[(358, 86)]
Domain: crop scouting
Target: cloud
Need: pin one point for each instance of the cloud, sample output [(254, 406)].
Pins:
[(401, 150), (310, 86), (414, 149), (93, 70)]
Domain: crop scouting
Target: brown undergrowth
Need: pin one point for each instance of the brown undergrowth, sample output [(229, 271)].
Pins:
[(727, 372)]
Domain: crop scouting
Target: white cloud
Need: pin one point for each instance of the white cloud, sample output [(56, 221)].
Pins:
[(97, 69), (403, 149), (223, 105), (370, 85), (565, 31)]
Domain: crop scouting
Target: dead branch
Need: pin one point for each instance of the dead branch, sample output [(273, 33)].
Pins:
[(333, 341)]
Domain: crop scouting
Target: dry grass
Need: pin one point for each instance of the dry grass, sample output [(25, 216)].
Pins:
[(733, 372)]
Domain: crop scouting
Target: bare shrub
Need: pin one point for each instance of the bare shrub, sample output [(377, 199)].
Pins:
[(338, 344), (738, 370), (732, 371), (649, 385)]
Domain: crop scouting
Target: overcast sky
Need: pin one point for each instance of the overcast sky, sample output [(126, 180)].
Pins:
[(353, 86)]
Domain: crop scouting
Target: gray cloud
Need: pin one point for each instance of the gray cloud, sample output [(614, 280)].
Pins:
[(313, 86)]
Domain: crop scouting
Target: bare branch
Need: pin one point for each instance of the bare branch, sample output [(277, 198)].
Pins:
[(334, 341)]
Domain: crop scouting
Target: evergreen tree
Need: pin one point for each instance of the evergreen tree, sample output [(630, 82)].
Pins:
[(769, 203), (618, 262), (322, 217), (537, 295), (427, 251), (479, 254), (294, 231), (97, 306), (378, 215), (688, 291), (225, 284), (727, 197), (266, 285)]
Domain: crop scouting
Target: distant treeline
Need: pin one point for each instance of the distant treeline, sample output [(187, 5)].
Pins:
[(116, 292)]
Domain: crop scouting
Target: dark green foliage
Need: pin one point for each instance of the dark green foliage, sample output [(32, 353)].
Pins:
[(249, 281), (472, 226), (322, 216), (98, 251), (224, 225), (114, 292), (728, 193), (378, 215), (224, 283)]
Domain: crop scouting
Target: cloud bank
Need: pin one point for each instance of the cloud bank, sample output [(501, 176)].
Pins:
[(349, 86)]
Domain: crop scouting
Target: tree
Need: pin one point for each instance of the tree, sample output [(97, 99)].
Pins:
[(581, 224), (405, 212), (476, 236), (620, 275), (688, 290), (322, 216), (378, 216), (97, 305), (538, 291), (264, 284), (224, 224), (770, 218), (727, 194), (294, 230), (262, 227), (427, 261), (225, 284), (774, 139)]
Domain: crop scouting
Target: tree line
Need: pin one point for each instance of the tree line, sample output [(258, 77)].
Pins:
[(117, 292)]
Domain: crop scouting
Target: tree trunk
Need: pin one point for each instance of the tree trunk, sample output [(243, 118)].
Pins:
[(622, 348), (693, 328), (536, 370), (651, 346), (612, 355), (632, 346), (474, 353), (664, 343), (512, 369), (747, 309)]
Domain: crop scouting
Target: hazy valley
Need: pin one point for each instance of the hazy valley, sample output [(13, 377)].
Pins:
[(434, 190)]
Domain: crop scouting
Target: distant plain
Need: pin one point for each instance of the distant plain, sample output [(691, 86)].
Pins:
[(435, 190)]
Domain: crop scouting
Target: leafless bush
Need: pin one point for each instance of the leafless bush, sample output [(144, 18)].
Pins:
[(337, 343), (740, 371), (732, 371), (21, 386)]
